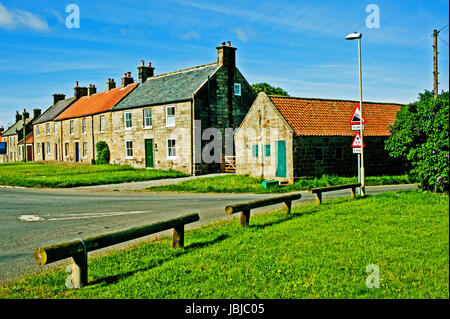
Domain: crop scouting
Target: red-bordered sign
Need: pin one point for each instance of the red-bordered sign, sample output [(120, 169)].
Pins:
[(356, 116), (357, 140)]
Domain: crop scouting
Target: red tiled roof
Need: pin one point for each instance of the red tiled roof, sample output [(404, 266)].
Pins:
[(28, 140), (97, 103), (320, 117)]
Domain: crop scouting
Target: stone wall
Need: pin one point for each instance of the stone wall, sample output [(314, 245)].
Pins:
[(159, 133), (42, 138)]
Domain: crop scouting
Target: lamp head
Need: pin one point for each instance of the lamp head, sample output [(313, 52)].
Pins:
[(353, 36)]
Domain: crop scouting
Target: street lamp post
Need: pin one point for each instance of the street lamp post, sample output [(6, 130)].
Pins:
[(354, 36)]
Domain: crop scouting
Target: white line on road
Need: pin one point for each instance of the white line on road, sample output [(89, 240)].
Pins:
[(34, 218)]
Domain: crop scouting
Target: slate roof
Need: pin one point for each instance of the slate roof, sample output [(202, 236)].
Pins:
[(97, 103), (320, 117), (167, 88), (54, 110), (16, 127)]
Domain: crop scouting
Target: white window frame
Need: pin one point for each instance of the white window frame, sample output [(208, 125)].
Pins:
[(168, 123), (151, 118), (126, 149), (49, 149), (38, 149), (37, 130), (71, 127), (55, 128), (66, 149), (237, 89), (84, 146), (83, 126), (47, 128), (174, 147), (125, 121), (102, 126)]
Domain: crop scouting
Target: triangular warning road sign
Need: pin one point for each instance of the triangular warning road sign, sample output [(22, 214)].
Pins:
[(357, 141), (356, 116)]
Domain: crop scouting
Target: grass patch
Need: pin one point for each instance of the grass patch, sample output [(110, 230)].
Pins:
[(247, 184), (316, 252), (75, 174)]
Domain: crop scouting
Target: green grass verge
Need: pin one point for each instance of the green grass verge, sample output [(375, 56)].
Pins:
[(247, 184), (75, 174), (316, 252)]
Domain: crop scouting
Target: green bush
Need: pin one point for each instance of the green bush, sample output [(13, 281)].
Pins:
[(420, 135), (102, 153)]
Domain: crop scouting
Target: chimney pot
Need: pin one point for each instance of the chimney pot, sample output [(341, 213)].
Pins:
[(76, 83), (142, 62), (229, 43), (223, 42), (149, 63), (110, 84), (129, 74)]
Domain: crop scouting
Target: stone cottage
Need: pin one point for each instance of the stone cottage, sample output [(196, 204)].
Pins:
[(46, 131), (88, 120), (283, 138), (162, 123)]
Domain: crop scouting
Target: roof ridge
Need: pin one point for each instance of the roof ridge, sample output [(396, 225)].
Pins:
[(334, 100), (181, 71)]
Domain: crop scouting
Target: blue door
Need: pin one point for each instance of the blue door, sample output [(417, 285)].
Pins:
[(77, 152)]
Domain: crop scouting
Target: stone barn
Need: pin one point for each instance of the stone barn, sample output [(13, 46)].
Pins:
[(283, 138)]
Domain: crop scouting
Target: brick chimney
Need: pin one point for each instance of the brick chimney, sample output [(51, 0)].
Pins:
[(110, 84), (226, 55), (18, 116), (58, 97), (36, 113), (27, 115), (92, 90), (145, 72), (127, 79), (79, 91)]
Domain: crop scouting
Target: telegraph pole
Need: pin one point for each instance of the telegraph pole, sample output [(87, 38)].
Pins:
[(24, 150), (435, 64)]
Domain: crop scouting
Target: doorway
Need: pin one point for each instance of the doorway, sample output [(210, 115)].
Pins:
[(149, 153), (281, 158)]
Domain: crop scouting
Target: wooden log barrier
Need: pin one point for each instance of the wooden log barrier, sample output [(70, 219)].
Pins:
[(78, 248), (320, 190), (244, 208)]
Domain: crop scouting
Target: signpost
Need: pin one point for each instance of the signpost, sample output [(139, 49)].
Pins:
[(357, 122)]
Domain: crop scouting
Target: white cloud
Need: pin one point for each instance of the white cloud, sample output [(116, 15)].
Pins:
[(241, 35), (18, 19)]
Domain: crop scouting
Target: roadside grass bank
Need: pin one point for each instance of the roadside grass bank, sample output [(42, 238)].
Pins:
[(315, 252), (246, 184), (60, 175)]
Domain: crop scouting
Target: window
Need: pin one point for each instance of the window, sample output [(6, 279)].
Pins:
[(128, 149), (318, 153), (71, 127), (83, 126), (255, 150), (37, 130), (128, 123), (38, 149), (48, 148), (55, 128), (47, 128), (147, 118), (237, 89), (102, 123), (170, 116), (267, 150), (84, 149), (171, 150), (66, 149), (339, 153)]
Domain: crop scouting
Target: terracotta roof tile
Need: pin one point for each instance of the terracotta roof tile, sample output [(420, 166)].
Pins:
[(97, 103), (321, 117)]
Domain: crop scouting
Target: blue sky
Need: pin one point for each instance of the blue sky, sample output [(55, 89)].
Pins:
[(296, 45)]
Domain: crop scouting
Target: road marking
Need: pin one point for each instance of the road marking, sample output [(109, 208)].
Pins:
[(34, 218)]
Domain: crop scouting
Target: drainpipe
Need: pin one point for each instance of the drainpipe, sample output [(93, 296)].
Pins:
[(93, 142), (192, 137)]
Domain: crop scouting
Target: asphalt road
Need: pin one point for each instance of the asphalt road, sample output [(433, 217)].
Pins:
[(30, 218)]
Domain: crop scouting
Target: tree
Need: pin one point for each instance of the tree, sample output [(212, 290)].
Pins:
[(420, 135), (102, 153), (268, 89)]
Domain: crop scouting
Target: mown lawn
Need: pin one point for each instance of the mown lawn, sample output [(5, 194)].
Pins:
[(316, 252), (246, 184), (75, 174)]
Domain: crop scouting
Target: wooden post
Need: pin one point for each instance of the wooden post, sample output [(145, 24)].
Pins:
[(286, 207), (353, 191), (80, 270), (435, 64), (319, 198), (245, 217), (178, 237)]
